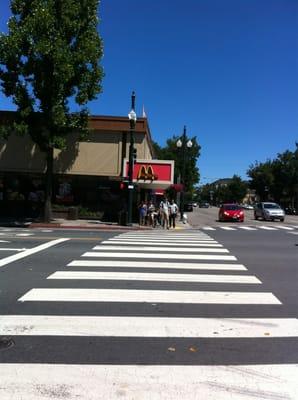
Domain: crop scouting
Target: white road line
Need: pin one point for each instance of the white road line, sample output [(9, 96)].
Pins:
[(247, 228), (122, 240), (284, 227), (169, 244), (293, 233), (165, 236), (227, 228), (167, 256), (149, 296), (59, 325), (267, 228), (12, 249), (29, 252), (24, 234), (161, 277), (148, 382), (156, 248), (5, 241), (154, 264), (208, 228)]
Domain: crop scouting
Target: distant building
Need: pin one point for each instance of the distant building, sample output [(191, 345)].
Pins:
[(91, 173)]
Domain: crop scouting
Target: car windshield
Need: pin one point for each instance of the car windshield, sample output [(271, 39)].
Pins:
[(271, 205), (232, 207)]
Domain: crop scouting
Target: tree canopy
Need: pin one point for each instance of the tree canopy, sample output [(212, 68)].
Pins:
[(231, 192), (191, 155), (277, 179), (50, 56)]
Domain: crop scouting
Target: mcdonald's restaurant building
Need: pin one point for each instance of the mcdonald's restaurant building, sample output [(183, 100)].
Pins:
[(90, 174)]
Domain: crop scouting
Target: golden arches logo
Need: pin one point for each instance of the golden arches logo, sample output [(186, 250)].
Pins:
[(146, 173)]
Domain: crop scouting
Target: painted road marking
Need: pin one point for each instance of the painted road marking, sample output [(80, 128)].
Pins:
[(175, 244), (143, 255), (149, 296), (268, 228), (227, 228), (122, 240), (284, 227), (156, 248), (147, 382), (247, 228), (162, 277), (12, 249), (208, 228), (29, 252), (154, 264), (125, 326)]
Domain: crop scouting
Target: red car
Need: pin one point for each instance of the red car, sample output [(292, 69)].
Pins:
[(230, 212)]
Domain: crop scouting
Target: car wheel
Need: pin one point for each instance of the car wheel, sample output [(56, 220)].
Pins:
[(282, 220), (256, 217)]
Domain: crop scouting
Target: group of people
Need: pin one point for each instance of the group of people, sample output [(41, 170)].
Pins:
[(164, 215)]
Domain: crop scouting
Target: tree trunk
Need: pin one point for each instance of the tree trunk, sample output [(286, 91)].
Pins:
[(48, 186)]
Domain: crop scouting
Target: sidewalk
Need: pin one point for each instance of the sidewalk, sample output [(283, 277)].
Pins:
[(60, 223), (87, 224)]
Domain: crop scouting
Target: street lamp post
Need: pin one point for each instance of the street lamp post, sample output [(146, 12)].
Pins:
[(182, 144), (132, 120)]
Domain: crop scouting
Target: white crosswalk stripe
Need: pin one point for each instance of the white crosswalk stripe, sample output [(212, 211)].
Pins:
[(148, 382), (164, 249), (250, 228), (153, 264), (122, 255), (165, 274), (247, 228), (149, 296), (54, 325), (267, 228), (166, 277)]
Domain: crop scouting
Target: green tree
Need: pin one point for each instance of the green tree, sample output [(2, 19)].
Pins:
[(277, 179), (262, 178), (171, 152), (50, 55)]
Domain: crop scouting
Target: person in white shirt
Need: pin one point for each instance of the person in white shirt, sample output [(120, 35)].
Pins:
[(173, 214), (164, 213)]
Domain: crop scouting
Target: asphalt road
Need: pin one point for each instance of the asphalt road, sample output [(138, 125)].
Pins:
[(209, 216), (228, 311)]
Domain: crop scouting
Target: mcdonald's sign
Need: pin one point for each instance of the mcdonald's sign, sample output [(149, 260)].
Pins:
[(146, 173), (151, 173)]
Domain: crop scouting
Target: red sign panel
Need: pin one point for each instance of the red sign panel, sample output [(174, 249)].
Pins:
[(152, 171)]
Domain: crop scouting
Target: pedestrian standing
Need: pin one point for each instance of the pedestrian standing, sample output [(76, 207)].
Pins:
[(173, 208), (142, 213), (164, 213)]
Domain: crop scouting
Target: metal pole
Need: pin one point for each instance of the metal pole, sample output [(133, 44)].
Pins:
[(130, 163), (183, 173)]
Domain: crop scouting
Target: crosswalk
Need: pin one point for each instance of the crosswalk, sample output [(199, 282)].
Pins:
[(150, 315), (290, 229)]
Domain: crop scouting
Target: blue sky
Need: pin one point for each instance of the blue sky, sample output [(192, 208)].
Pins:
[(227, 69)]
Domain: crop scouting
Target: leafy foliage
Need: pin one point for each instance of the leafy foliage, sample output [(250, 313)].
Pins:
[(191, 155), (277, 179), (50, 55), (232, 192)]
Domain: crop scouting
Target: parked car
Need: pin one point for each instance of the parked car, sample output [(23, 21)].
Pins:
[(269, 211), (290, 210), (188, 207), (247, 206), (204, 205), (230, 212)]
